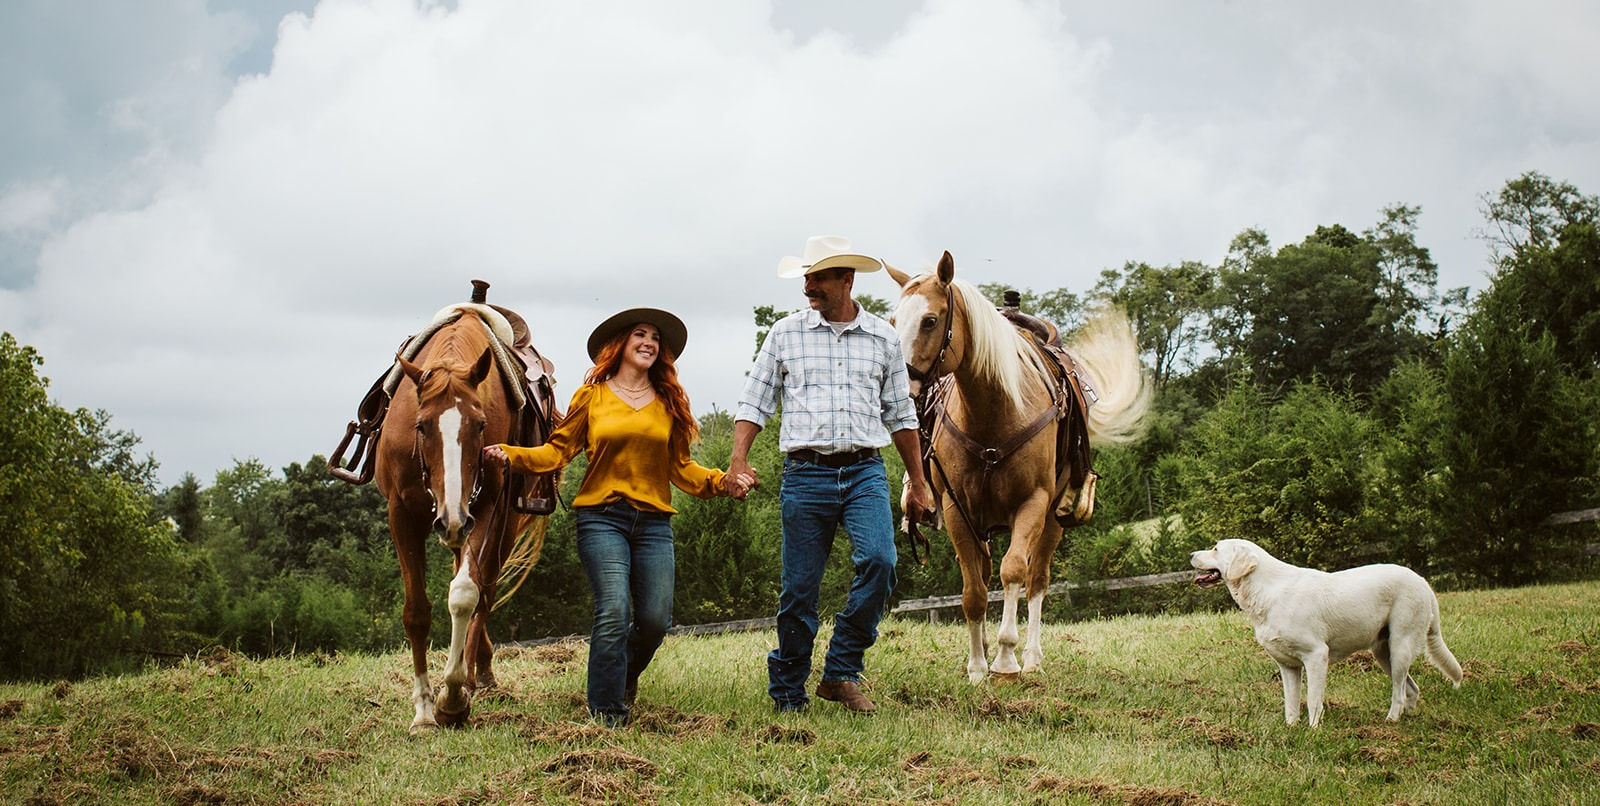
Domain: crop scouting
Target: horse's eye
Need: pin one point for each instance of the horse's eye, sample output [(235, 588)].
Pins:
[(929, 321), (422, 428)]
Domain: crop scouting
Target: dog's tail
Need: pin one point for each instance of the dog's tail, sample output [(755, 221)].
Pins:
[(1439, 654)]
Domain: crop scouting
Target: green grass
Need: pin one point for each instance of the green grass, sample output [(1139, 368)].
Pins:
[(1137, 710)]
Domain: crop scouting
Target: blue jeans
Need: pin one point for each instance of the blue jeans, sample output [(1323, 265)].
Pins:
[(816, 500), (628, 556)]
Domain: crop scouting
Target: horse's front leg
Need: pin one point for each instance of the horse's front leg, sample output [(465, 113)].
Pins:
[(480, 650), (1038, 583), (417, 614), (1015, 572), (1005, 661), (975, 567), (455, 703)]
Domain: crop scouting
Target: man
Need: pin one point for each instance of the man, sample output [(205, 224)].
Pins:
[(841, 377)]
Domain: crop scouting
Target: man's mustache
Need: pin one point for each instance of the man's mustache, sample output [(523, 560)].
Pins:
[(815, 294)]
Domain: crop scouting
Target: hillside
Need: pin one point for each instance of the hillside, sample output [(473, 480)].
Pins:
[(1140, 710)]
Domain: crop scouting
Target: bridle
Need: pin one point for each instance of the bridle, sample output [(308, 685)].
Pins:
[(427, 480)]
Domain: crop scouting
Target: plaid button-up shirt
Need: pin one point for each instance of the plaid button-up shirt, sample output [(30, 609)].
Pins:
[(840, 392)]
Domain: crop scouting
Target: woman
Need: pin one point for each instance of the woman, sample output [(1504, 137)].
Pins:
[(632, 418)]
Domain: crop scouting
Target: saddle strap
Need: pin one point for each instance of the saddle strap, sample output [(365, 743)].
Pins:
[(991, 457)]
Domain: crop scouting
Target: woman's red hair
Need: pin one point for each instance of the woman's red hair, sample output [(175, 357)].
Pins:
[(663, 378)]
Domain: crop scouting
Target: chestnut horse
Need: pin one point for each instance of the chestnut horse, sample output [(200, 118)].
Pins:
[(452, 401), (994, 441)]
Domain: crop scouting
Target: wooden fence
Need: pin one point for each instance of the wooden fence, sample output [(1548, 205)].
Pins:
[(933, 604)]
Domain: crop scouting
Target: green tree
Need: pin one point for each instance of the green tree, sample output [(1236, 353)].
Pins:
[(1548, 266), (728, 551), (1169, 306), (89, 576), (1532, 211), (1517, 445), (1288, 473), (1336, 305), (766, 317)]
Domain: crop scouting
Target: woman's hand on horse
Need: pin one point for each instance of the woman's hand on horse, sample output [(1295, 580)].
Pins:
[(494, 453)]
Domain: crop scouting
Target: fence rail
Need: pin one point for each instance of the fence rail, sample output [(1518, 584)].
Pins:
[(933, 604), (1579, 516), (1120, 583)]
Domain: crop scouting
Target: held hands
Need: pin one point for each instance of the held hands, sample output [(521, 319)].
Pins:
[(740, 484), (741, 479)]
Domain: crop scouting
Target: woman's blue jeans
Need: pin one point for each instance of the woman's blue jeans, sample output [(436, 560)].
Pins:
[(817, 500), (628, 556)]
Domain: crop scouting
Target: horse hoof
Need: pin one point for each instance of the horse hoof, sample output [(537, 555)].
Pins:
[(1007, 678), (420, 727), (452, 719)]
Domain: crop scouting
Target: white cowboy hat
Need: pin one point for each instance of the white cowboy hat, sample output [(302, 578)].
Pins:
[(826, 252)]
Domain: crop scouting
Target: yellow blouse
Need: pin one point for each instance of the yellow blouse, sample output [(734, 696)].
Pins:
[(632, 453)]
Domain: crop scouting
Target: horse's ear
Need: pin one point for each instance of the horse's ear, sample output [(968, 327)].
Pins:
[(481, 369), (947, 268), (897, 275), (411, 370)]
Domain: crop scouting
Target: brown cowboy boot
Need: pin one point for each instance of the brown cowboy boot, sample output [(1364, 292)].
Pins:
[(846, 693)]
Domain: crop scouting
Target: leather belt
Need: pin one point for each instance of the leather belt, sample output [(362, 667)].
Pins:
[(834, 460)]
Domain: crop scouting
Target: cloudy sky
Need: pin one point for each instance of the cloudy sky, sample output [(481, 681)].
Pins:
[(218, 219)]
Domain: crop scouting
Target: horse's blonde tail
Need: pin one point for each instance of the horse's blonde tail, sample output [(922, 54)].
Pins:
[(1107, 351), (524, 556)]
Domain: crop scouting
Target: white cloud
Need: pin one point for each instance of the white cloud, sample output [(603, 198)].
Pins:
[(588, 157), (31, 206)]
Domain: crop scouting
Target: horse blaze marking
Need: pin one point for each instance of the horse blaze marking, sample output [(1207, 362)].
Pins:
[(450, 435), (909, 316)]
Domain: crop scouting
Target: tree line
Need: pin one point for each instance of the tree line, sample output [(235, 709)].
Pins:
[(1324, 398)]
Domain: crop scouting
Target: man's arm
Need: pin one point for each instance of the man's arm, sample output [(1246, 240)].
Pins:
[(919, 499), (744, 435)]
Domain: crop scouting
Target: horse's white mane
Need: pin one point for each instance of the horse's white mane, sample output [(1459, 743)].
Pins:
[(999, 353)]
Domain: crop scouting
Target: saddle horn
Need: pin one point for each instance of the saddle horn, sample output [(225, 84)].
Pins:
[(480, 292)]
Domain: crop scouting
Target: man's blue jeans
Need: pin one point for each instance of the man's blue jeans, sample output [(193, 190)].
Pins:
[(628, 556), (816, 500)]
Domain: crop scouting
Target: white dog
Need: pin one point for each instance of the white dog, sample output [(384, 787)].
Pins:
[(1306, 619)]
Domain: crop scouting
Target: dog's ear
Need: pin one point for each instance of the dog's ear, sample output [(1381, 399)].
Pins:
[(1239, 568), (1239, 565)]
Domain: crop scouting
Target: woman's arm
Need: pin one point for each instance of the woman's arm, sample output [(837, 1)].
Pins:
[(569, 438)]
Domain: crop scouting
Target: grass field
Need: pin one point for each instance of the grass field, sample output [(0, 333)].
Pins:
[(1136, 710)]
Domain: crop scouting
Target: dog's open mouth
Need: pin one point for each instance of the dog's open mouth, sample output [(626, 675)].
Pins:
[(1208, 578)]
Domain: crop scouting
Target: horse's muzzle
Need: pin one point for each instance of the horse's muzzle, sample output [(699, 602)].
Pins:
[(457, 536)]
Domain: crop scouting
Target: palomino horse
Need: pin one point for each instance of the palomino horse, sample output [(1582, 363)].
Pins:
[(994, 442), (452, 401)]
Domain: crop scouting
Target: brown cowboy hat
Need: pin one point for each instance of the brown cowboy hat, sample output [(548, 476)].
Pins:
[(673, 333)]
